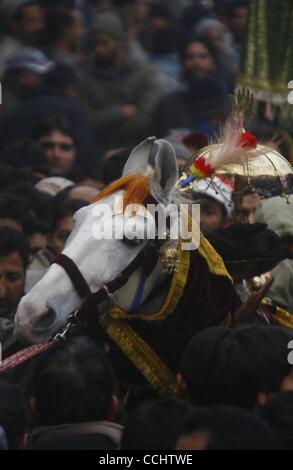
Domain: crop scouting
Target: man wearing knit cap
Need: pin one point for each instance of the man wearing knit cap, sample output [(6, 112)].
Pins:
[(120, 94), (277, 213), (22, 23)]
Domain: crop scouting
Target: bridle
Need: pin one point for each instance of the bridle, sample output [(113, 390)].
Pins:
[(147, 259)]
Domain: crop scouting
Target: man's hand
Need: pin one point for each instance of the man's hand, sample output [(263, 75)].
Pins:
[(245, 313)]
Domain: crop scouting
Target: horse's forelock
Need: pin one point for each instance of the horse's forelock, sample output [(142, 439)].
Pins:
[(136, 189)]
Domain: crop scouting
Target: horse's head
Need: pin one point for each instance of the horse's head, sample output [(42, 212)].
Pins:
[(44, 310)]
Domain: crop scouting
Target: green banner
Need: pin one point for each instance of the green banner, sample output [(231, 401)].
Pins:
[(267, 58)]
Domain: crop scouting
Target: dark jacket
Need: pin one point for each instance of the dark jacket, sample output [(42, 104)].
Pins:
[(106, 435), (103, 92)]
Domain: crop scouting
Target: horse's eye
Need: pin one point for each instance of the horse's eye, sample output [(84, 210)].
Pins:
[(132, 243)]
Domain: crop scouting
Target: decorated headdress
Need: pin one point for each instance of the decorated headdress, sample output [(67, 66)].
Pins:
[(239, 157)]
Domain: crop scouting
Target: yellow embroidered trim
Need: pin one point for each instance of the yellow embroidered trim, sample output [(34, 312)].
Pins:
[(215, 261), (141, 355), (175, 292), (267, 85), (281, 315), (215, 264)]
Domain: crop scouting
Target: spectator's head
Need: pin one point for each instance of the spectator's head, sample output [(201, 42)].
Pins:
[(64, 26), (207, 99), (22, 19), (215, 32), (162, 35), (108, 39), (13, 211), (27, 155), (198, 58), (74, 383), (37, 233), (26, 68), (135, 12), (61, 80), (237, 367), (236, 18), (155, 425), (14, 259), (250, 202), (278, 412), (38, 204), (14, 416), (215, 199), (225, 428), (56, 136), (83, 193), (63, 223)]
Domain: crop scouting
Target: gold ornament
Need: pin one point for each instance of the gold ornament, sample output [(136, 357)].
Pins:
[(169, 258)]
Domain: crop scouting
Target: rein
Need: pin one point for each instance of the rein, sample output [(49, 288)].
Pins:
[(147, 258)]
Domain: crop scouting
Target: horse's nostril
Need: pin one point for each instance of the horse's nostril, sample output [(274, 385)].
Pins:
[(46, 320)]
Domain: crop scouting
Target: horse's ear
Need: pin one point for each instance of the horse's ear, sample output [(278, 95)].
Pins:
[(139, 157), (165, 176)]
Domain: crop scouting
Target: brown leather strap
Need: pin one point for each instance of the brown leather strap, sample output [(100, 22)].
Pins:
[(74, 274)]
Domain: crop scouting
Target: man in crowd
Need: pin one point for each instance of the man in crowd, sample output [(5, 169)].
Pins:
[(120, 94), (14, 259), (75, 404), (23, 22)]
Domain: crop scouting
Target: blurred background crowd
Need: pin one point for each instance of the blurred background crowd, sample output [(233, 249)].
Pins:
[(83, 82)]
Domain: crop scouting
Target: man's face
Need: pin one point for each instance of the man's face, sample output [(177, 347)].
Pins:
[(60, 152), (250, 203), (30, 25), (238, 22), (76, 31), (211, 215), (106, 49), (198, 61), (141, 10), (61, 233), (12, 278)]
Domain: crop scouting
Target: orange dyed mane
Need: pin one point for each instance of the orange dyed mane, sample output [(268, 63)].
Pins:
[(136, 189)]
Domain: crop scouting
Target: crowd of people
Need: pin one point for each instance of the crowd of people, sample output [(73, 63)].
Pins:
[(83, 82)]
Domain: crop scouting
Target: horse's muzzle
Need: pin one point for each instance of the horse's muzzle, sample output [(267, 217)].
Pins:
[(45, 322)]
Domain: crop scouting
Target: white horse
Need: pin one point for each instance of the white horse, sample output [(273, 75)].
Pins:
[(170, 309), (44, 310)]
